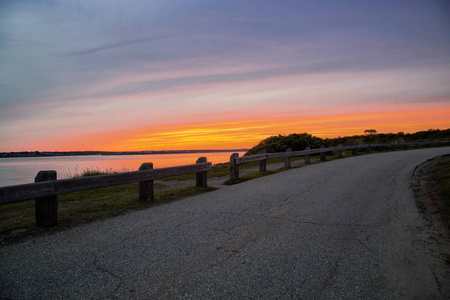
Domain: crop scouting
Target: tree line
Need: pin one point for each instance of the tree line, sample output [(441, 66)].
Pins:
[(300, 141)]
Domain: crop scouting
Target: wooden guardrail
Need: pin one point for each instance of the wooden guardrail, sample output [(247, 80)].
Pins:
[(46, 188), (262, 157)]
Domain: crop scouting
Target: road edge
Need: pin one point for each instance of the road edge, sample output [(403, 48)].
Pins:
[(428, 198)]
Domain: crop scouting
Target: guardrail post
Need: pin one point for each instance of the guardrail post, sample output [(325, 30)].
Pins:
[(262, 163), (322, 155), (368, 148), (46, 208), (405, 145), (234, 168), (146, 188), (392, 146), (339, 152), (201, 178), (380, 148), (287, 160), (417, 145), (354, 151), (307, 156)]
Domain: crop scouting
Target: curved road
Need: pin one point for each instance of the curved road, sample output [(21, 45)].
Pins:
[(345, 229)]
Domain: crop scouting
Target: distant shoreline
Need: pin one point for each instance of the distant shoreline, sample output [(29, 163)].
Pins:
[(87, 153)]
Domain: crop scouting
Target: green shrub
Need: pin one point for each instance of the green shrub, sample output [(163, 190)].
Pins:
[(280, 143)]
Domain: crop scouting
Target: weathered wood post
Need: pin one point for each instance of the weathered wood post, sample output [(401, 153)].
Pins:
[(234, 168), (262, 163), (339, 152), (46, 208), (287, 160), (322, 155), (201, 178), (307, 156), (146, 188)]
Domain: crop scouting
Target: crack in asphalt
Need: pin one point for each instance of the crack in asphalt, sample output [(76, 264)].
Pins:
[(367, 247), (98, 267)]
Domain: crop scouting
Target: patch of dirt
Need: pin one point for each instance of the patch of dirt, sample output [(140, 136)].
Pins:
[(431, 202)]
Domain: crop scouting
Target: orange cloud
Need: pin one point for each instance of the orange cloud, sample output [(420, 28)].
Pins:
[(245, 133)]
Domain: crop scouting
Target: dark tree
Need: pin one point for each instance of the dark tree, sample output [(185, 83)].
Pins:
[(370, 131)]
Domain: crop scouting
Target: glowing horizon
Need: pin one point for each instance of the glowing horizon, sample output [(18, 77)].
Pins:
[(242, 134)]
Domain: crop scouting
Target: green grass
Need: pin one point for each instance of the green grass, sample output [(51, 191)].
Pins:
[(216, 171)]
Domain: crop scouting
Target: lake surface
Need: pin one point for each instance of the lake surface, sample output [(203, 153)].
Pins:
[(24, 169)]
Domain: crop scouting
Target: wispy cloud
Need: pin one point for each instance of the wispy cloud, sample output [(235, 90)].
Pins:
[(121, 44), (91, 66)]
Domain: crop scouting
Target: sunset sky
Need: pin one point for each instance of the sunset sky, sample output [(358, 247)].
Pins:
[(204, 74)]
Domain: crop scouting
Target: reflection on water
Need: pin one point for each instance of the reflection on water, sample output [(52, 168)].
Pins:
[(24, 169)]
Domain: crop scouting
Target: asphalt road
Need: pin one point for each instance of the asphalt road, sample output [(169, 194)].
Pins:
[(344, 229)]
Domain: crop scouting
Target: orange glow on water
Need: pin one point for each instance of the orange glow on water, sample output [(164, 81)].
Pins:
[(244, 133)]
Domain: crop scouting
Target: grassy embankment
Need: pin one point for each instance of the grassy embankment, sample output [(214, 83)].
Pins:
[(436, 196), (441, 177)]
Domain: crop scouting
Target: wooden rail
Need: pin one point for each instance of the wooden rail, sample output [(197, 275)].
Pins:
[(262, 157), (46, 188)]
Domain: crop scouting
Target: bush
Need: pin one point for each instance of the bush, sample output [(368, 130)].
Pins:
[(299, 141), (280, 143)]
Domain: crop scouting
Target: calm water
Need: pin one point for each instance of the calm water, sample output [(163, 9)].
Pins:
[(24, 169)]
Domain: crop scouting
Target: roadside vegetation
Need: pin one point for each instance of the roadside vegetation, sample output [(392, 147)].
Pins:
[(280, 143), (93, 172), (442, 179), (299, 141), (435, 197)]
